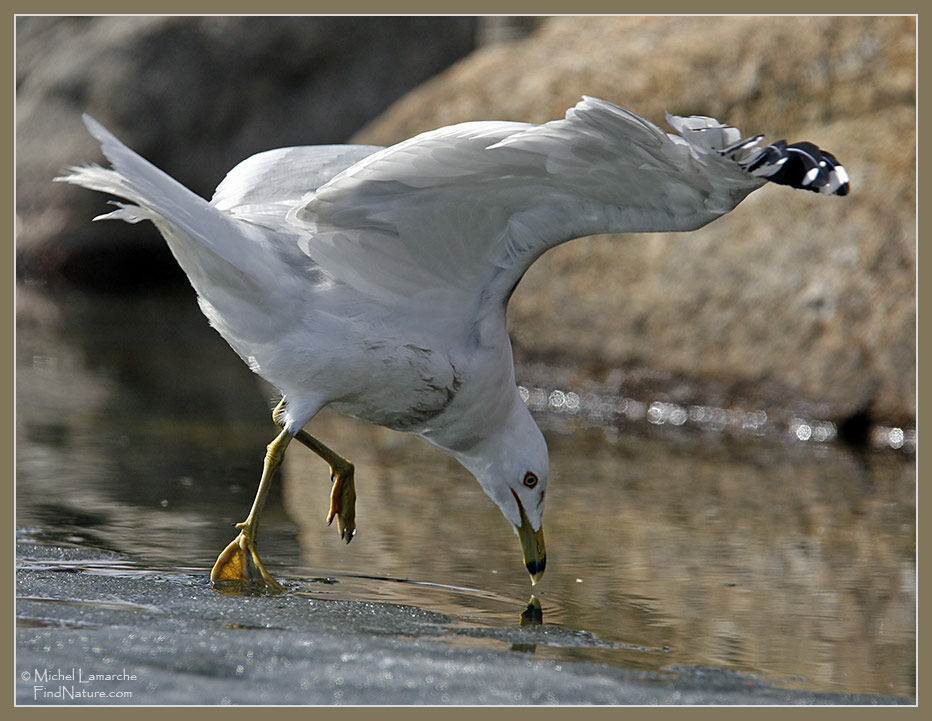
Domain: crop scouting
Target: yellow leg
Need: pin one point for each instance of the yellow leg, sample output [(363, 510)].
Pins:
[(240, 560), (342, 474)]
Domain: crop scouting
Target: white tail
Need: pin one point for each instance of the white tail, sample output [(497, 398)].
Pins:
[(210, 246)]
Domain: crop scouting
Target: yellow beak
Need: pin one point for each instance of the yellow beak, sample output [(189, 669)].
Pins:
[(532, 546)]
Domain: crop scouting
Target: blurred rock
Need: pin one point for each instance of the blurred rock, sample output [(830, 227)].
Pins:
[(791, 298), (195, 96)]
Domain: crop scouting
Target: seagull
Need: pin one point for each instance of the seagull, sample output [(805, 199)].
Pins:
[(375, 280)]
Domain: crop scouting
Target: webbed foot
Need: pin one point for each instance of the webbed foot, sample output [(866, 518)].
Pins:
[(343, 501), (240, 561)]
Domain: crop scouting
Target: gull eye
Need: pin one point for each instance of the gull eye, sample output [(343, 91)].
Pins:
[(530, 480)]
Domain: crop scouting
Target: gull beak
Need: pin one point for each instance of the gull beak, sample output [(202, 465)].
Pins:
[(532, 546)]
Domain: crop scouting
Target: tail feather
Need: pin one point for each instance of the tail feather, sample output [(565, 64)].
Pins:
[(206, 242)]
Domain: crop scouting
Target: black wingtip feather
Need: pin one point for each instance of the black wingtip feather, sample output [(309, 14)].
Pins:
[(801, 165)]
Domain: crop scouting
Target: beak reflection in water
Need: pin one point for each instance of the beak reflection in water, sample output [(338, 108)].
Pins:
[(533, 615), (530, 616)]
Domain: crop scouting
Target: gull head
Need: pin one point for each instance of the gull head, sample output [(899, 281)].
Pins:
[(511, 464)]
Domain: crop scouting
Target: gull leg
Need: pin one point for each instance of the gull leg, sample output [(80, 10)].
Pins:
[(240, 560), (342, 474)]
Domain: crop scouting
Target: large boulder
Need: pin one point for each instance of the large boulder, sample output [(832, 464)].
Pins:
[(195, 96), (793, 297)]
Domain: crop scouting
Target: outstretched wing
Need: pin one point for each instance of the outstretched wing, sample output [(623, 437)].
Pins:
[(460, 213)]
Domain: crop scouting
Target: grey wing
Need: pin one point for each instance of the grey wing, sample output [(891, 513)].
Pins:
[(459, 213), (455, 216)]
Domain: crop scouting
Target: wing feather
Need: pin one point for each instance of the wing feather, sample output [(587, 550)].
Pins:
[(264, 187), (461, 212)]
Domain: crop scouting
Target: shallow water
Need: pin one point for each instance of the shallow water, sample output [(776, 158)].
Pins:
[(140, 432)]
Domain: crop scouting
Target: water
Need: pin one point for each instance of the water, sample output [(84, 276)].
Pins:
[(674, 544)]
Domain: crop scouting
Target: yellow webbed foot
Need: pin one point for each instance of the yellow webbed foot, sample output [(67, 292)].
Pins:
[(240, 561), (343, 501)]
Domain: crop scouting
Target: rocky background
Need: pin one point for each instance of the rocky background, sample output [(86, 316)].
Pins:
[(792, 298), (194, 96)]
